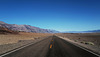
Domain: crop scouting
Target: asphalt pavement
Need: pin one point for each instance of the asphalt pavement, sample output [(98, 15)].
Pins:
[(52, 46)]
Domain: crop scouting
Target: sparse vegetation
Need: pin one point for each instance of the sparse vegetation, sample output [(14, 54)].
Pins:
[(82, 42), (75, 40), (88, 43), (92, 38), (89, 40)]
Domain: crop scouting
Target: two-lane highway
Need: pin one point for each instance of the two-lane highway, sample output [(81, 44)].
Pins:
[(51, 47)]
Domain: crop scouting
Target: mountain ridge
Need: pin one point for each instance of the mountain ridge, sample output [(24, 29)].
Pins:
[(26, 28)]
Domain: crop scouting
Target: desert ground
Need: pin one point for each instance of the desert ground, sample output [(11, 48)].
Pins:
[(88, 40), (12, 41)]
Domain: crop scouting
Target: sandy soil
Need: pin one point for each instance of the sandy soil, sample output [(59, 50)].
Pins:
[(14, 38), (88, 40), (12, 41)]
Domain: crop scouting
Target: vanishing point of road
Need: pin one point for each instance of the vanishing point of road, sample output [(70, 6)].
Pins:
[(52, 46)]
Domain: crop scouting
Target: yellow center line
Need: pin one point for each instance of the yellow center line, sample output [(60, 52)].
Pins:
[(51, 46)]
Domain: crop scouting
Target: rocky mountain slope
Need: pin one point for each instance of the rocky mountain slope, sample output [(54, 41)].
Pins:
[(6, 31), (26, 28)]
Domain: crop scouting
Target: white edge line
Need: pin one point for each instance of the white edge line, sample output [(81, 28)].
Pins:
[(80, 47), (17, 49)]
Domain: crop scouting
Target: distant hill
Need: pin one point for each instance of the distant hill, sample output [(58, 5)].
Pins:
[(95, 31), (26, 28), (92, 31)]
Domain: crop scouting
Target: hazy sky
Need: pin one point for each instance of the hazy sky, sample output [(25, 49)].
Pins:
[(61, 15)]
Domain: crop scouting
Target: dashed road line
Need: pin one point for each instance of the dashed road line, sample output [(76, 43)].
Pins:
[(51, 46)]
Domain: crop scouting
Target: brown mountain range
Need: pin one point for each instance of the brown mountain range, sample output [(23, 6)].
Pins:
[(26, 28)]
